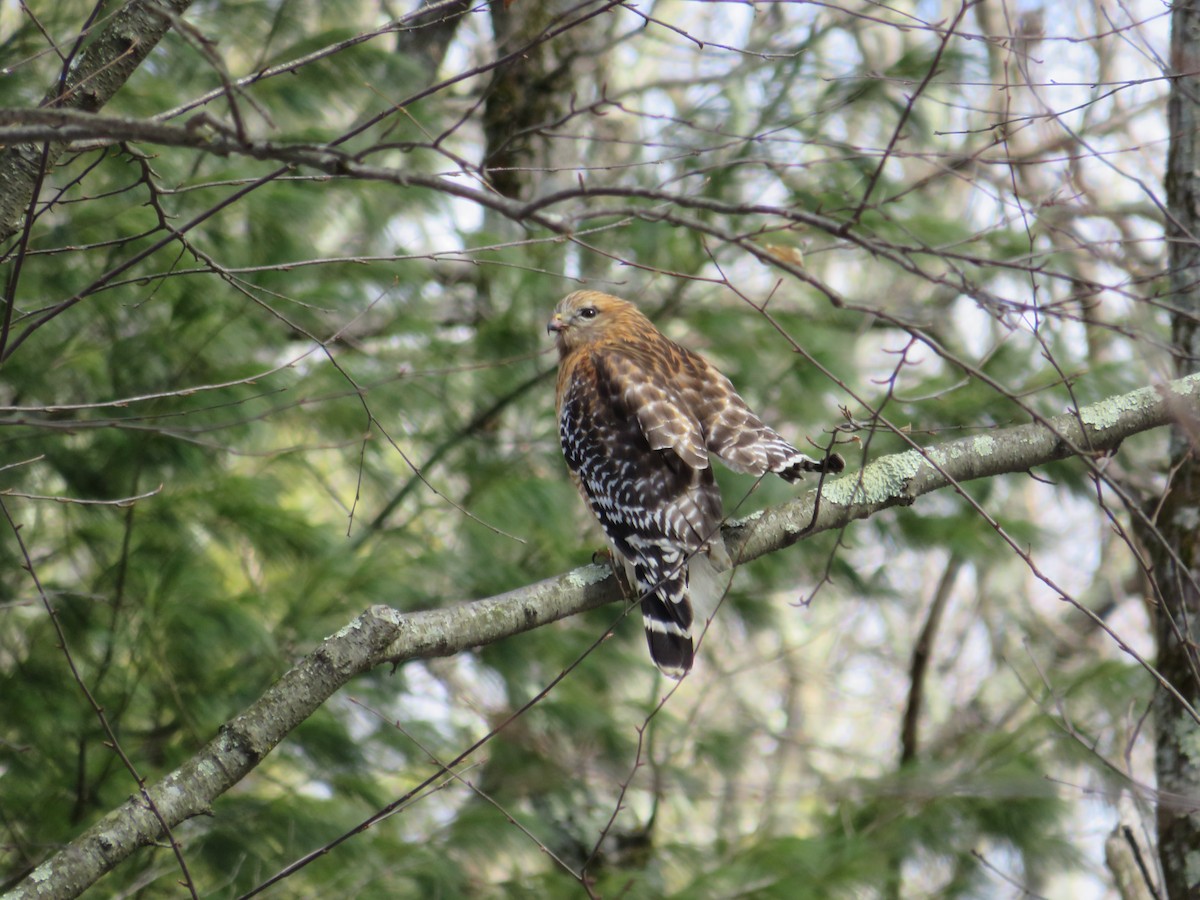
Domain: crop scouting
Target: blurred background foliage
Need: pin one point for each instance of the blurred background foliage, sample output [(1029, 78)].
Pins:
[(339, 393)]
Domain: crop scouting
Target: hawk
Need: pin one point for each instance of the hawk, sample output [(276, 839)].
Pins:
[(638, 418)]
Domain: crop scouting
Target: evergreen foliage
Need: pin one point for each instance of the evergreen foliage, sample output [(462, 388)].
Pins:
[(335, 391)]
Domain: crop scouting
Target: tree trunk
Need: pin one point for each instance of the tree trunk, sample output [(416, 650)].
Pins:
[(1175, 546), (538, 89)]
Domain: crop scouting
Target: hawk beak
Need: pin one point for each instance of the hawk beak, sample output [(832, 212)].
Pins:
[(556, 324)]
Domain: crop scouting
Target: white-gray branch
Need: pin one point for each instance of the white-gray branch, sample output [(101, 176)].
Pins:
[(382, 635)]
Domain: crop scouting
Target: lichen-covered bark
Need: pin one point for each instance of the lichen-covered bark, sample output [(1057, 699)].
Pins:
[(1175, 544), (385, 635), (1177, 752)]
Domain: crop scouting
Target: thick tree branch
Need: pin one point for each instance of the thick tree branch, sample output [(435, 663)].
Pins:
[(383, 635)]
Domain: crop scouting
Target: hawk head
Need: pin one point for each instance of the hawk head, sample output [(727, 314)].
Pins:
[(589, 317)]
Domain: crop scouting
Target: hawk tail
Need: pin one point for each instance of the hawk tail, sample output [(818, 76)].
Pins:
[(667, 617), (673, 603), (670, 643)]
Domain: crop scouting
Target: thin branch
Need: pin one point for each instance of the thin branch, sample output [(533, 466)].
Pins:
[(904, 116), (80, 501), (921, 654)]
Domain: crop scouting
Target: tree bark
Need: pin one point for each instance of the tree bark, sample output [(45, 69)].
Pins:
[(100, 71), (1175, 544), (383, 635), (537, 89)]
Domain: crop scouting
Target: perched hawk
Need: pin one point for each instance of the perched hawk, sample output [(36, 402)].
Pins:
[(638, 416)]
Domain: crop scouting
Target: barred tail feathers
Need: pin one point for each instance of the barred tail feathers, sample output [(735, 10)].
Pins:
[(793, 465), (679, 596), (666, 611)]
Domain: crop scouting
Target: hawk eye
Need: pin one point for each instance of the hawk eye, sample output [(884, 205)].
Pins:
[(588, 312)]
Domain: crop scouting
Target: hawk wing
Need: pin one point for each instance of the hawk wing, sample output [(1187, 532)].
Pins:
[(647, 387)]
